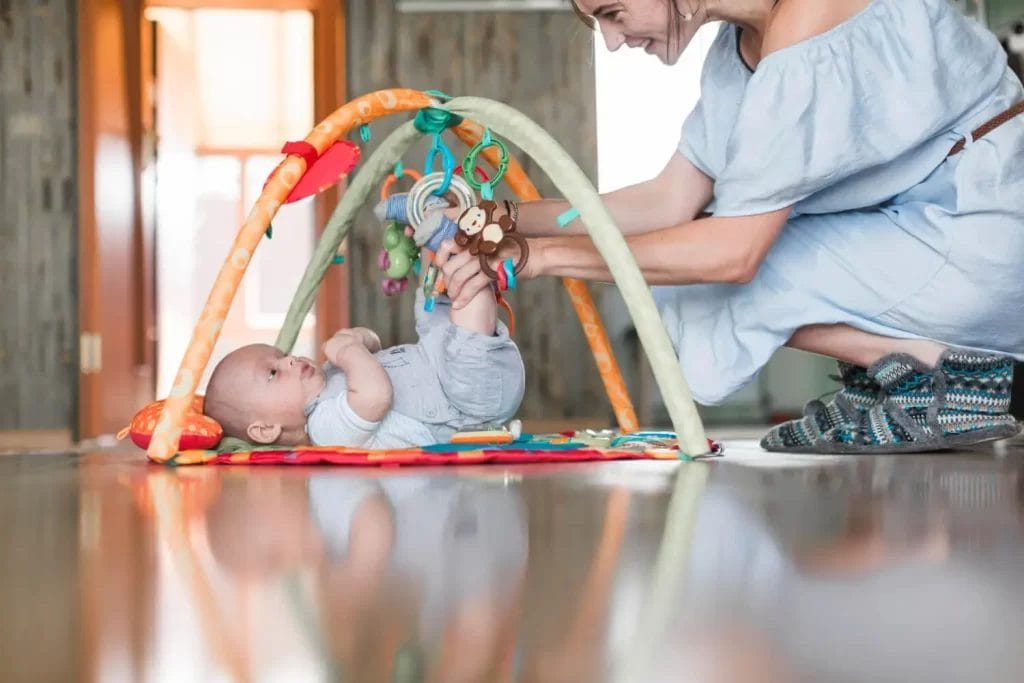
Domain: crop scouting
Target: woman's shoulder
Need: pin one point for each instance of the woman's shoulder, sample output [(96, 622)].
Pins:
[(795, 21), (798, 25)]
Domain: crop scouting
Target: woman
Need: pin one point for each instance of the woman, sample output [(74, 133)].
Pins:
[(855, 211)]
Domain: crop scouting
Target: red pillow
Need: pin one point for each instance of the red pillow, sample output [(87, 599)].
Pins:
[(200, 432)]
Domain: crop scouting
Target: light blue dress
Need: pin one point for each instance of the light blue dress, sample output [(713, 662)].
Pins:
[(852, 128)]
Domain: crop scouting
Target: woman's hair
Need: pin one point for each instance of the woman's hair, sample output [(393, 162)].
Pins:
[(585, 18), (674, 18)]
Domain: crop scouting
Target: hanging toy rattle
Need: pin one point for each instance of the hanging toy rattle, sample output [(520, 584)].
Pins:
[(397, 259), (431, 228), (484, 235), (479, 230), (399, 253)]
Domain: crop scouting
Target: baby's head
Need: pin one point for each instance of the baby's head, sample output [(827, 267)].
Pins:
[(259, 394)]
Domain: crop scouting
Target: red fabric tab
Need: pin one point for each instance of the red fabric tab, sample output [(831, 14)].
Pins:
[(302, 149)]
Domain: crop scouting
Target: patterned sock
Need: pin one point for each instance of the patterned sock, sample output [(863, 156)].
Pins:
[(859, 393), (978, 391), (967, 395)]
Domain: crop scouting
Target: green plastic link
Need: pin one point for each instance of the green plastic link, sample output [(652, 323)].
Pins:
[(399, 169), (469, 164), (365, 133), (269, 232)]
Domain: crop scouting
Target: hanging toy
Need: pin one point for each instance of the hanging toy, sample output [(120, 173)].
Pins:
[(484, 235), (478, 228), (400, 252), (433, 228), (427, 225)]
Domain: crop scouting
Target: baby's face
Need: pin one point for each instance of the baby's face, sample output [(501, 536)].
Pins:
[(278, 386)]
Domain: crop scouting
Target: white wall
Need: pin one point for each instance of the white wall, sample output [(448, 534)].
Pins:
[(641, 105)]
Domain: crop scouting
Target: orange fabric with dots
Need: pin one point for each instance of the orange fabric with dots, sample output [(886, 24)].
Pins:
[(198, 430)]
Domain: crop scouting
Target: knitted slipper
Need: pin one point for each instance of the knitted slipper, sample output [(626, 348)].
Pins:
[(963, 401), (859, 393)]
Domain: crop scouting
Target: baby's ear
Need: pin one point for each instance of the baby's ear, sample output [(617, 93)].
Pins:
[(263, 433)]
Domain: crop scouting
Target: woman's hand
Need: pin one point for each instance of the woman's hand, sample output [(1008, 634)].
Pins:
[(463, 277)]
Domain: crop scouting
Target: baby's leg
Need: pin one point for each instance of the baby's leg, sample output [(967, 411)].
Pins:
[(480, 370), (480, 315)]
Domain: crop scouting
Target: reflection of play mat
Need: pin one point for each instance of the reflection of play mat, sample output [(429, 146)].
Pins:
[(171, 430)]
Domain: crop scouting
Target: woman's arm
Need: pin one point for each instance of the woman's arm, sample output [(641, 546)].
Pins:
[(676, 195), (724, 250), (703, 251)]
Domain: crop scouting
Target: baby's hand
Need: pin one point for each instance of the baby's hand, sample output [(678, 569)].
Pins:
[(368, 338), (356, 336)]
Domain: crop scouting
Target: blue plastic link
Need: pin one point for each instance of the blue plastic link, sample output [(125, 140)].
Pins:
[(447, 163), (510, 273)]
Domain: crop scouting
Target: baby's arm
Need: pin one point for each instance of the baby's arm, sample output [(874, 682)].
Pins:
[(369, 387)]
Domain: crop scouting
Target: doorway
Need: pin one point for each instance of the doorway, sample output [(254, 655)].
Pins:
[(231, 86), (162, 178)]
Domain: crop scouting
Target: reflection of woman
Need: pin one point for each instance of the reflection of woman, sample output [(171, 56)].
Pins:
[(876, 592), (846, 220)]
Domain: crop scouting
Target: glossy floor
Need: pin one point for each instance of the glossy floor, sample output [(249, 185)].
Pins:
[(743, 569)]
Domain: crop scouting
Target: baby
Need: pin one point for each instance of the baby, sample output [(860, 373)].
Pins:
[(464, 372)]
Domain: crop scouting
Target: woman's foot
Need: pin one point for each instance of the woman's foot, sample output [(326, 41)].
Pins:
[(859, 394), (962, 401)]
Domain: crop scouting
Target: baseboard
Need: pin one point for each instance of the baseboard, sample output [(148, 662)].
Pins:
[(35, 439)]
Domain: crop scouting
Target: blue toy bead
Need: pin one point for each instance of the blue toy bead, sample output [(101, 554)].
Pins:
[(445, 232), (510, 273), (395, 208), (568, 217)]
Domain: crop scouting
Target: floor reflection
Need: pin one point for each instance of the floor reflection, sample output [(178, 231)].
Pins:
[(842, 570)]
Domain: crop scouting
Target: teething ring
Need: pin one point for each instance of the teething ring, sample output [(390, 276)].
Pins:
[(458, 189), (524, 255), (385, 189)]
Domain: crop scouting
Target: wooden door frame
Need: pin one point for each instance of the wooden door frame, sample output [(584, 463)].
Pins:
[(107, 325), (329, 90)]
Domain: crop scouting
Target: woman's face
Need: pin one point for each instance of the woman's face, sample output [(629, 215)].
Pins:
[(656, 26)]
